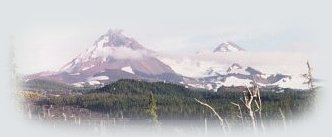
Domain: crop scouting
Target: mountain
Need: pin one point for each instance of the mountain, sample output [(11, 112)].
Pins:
[(228, 47), (115, 56), (237, 68), (237, 75), (244, 76), (112, 57), (225, 47)]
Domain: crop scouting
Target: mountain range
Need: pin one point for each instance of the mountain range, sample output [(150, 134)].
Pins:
[(115, 56)]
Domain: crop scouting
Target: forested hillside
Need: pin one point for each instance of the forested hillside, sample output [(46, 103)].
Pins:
[(129, 98)]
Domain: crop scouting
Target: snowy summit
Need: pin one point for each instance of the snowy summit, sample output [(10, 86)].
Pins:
[(228, 47)]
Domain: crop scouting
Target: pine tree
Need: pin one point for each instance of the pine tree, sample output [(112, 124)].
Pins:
[(152, 109)]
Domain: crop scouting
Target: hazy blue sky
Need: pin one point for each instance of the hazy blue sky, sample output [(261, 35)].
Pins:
[(51, 33)]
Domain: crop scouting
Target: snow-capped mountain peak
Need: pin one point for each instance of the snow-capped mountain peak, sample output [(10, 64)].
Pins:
[(110, 42), (116, 56), (111, 46), (228, 47), (116, 38)]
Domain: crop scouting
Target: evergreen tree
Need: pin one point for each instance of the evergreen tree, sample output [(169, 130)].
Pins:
[(152, 109)]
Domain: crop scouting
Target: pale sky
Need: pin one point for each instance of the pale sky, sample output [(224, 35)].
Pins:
[(50, 34)]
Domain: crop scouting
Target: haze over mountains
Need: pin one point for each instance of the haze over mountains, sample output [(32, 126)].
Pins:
[(115, 56)]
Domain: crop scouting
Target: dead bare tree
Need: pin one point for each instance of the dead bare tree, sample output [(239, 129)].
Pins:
[(283, 118), (79, 121), (64, 116), (240, 112), (259, 106), (248, 99), (29, 112), (221, 121), (308, 76), (253, 96)]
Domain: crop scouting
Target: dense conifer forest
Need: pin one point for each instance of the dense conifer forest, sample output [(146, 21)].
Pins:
[(132, 99)]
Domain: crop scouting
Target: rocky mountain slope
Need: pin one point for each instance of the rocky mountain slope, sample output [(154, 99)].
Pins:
[(113, 56)]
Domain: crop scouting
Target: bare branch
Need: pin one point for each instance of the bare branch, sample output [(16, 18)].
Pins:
[(214, 112), (235, 104), (283, 118), (258, 106), (249, 108), (239, 116)]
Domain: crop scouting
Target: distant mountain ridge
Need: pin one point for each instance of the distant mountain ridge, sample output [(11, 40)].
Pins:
[(237, 75)]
